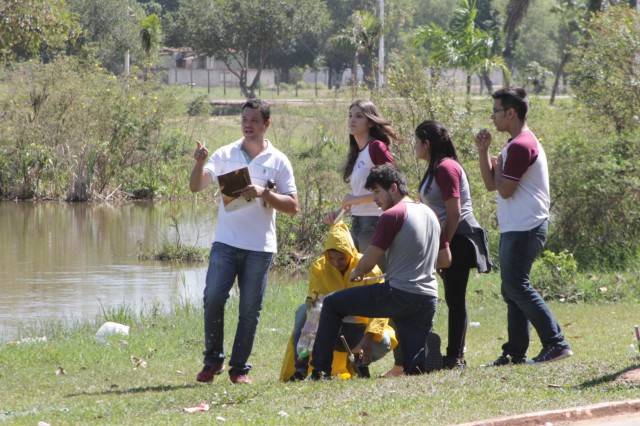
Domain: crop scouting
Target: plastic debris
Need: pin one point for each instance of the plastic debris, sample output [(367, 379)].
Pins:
[(28, 340), (201, 407), (138, 362), (474, 324), (110, 328)]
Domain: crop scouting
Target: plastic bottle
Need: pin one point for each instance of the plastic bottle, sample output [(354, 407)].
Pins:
[(309, 330)]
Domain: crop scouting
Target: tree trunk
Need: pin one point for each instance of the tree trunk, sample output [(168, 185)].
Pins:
[(468, 84), (354, 70), (487, 82), (556, 82)]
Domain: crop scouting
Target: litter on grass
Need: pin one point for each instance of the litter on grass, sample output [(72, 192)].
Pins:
[(201, 407), (110, 328)]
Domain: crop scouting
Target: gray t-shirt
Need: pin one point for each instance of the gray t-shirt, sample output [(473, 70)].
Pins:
[(450, 181), (409, 232)]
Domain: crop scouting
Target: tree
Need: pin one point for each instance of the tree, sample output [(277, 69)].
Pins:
[(111, 28), (516, 9), (361, 36), (304, 50), (572, 17), (36, 28), (604, 72), (150, 39), (463, 45), (243, 33)]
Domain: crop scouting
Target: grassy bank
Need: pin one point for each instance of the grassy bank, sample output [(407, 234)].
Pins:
[(102, 385)]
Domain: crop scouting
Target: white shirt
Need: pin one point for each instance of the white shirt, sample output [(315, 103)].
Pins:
[(252, 227)]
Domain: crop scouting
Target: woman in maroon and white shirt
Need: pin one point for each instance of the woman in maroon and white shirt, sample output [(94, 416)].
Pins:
[(445, 188), (369, 138)]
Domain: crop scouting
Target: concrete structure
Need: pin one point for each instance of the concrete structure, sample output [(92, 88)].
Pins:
[(184, 67)]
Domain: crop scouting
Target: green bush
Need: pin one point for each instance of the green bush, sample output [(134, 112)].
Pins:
[(604, 70), (554, 276), (73, 132), (596, 193), (199, 106)]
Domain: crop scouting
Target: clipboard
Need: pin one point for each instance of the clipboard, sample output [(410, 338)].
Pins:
[(230, 186)]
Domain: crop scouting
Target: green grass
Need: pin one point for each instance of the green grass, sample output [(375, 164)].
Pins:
[(101, 385)]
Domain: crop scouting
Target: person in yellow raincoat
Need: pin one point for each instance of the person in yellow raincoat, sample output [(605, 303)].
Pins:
[(331, 273)]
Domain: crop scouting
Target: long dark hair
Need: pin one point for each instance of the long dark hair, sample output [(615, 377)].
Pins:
[(440, 147), (380, 130)]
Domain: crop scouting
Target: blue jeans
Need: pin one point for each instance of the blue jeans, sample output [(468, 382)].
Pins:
[(251, 268), (379, 349), (362, 229), (412, 314), (518, 250)]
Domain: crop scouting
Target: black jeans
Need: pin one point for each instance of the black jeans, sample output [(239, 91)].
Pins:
[(455, 280)]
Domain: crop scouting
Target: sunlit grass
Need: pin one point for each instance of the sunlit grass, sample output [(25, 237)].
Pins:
[(102, 385)]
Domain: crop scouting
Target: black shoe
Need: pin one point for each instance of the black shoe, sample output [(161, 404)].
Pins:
[(318, 375), (451, 362), (433, 361), (297, 377), (506, 360), (552, 353)]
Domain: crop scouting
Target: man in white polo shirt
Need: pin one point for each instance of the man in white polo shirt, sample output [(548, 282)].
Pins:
[(521, 178), (245, 237)]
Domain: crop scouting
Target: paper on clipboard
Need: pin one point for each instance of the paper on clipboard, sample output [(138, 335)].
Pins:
[(230, 185)]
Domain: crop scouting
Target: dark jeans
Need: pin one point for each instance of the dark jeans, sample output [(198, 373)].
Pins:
[(455, 280), (525, 306), (225, 264), (412, 314)]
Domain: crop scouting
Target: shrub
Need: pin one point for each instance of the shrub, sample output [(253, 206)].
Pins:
[(198, 106), (604, 73), (596, 191), (72, 131), (554, 276)]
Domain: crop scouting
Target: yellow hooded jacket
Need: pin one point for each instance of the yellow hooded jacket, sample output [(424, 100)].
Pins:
[(324, 279)]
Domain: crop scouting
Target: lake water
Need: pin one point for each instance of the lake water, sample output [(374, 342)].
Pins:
[(69, 261)]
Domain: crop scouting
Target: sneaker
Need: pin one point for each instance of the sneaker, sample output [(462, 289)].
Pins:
[(433, 360), (451, 362), (552, 353), (239, 379), (318, 375), (506, 360), (209, 372)]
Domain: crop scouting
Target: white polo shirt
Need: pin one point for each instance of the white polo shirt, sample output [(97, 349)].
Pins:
[(252, 227)]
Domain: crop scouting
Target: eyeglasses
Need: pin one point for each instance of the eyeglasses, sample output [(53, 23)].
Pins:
[(497, 110)]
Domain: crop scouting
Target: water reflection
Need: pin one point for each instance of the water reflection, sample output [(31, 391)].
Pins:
[(70, 261)]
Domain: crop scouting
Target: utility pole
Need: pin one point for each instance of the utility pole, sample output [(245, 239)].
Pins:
[(381, 48)]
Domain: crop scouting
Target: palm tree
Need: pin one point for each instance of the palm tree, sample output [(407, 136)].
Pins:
[(516, 9), (463, 45), (362, 36)]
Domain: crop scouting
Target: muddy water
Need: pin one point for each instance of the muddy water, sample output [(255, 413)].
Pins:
[(69, 261)]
